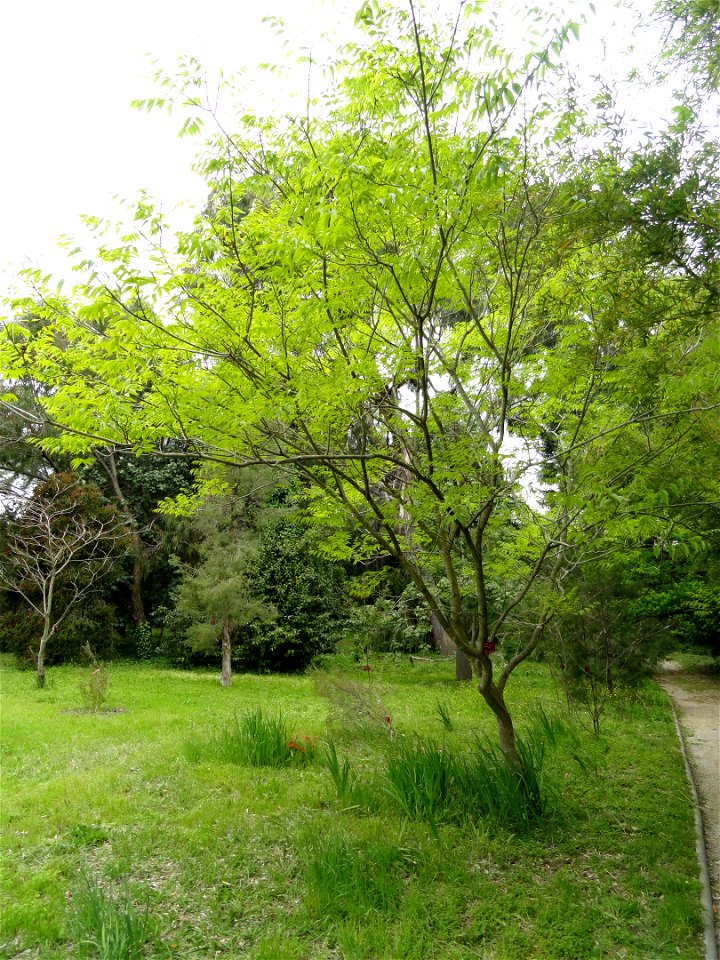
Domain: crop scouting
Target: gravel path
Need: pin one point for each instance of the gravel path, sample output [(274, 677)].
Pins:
[(697, 701)]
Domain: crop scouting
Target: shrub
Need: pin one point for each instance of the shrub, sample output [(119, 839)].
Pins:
[(94, 686), (94, 624)]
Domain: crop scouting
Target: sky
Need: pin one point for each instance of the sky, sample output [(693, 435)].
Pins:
[(68, 72)]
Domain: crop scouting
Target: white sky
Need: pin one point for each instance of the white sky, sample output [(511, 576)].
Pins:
[(68, 71)]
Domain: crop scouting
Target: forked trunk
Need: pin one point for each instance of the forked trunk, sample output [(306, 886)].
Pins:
[(226, 672), (506, 731)]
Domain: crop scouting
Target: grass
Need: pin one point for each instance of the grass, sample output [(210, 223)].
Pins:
[(298, 862), (108, 927)]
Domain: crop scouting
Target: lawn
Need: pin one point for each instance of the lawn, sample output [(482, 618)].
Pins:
[(139, 810)]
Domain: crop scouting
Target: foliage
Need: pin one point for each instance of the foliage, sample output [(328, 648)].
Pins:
[(694, 28), (453, 307), (388, 627), (91, 622), (305, 589)]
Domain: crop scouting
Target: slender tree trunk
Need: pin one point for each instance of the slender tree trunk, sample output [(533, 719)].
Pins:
[(506, 731), (41, 654), (226, 672), (463, 667), (443, 643), (136, 599)]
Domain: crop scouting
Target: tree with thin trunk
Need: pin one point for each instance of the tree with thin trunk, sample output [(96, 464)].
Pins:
[(217, 595), (412, 296), (59, 547)]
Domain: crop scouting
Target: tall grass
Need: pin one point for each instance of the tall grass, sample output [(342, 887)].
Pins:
[(253, 739), (428, 782), (346, 878), (106, 927)]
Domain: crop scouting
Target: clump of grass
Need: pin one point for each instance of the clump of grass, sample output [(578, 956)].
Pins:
[(346, 878), (108, 928), (254, 739), (342, 775), (428, 782), (443, 715)]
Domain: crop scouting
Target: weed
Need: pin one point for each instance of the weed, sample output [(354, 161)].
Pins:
[(444, 716), (106, 927), (254, 739), (94, 687), (347, 879), (428, 782), (342, 775), (355, 708)]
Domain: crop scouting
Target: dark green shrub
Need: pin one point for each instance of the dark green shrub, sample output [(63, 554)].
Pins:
[(308, 594), (93, 624)]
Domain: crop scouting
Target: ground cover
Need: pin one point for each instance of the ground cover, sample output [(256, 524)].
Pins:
[(269, 863)]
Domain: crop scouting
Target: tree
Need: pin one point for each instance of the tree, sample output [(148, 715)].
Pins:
[(59, 546), (404, 301), (218, 597)]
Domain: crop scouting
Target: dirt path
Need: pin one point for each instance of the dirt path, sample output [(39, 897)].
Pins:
[(697, 701)]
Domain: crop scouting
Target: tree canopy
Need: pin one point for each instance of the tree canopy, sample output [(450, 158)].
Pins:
[(423, 298)]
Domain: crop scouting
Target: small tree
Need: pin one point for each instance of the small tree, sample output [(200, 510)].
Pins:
[(218, 596), (59, 547)]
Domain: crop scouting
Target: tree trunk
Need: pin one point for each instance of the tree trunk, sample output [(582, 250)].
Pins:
[(463, 667), (226, 672), (41, 656), (444, 644), (506, 731), (136, 600)]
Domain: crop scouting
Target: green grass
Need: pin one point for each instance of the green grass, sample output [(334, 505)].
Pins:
[(299, 863)]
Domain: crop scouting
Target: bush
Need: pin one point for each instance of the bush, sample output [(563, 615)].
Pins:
[(306, 590), (387, 627), (93, 624)]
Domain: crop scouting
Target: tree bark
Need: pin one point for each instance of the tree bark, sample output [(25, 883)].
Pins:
[(136, 599), (444, 644), (226, 672), (463, 667), (506, 732), (41, 656)]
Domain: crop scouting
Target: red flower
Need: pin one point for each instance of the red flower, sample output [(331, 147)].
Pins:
[(292, 744), (366, 667)]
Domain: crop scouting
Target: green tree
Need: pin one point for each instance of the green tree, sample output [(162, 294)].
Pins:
[(217, 596), (413, 312)]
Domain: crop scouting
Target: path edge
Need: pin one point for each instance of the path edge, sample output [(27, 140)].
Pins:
[(706, 900)]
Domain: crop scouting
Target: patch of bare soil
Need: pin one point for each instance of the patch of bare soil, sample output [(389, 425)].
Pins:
[(81, 710), (697, 701)]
